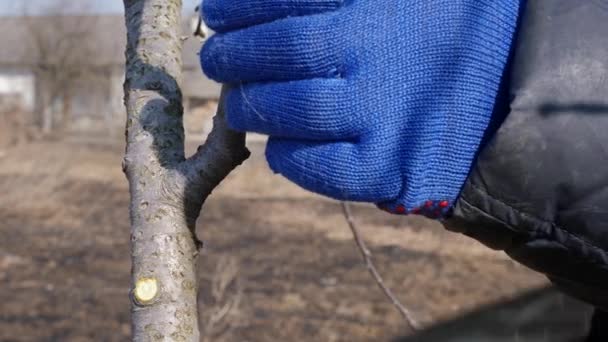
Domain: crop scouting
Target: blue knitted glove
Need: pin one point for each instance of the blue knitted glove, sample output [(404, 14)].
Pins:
[(381, 101)]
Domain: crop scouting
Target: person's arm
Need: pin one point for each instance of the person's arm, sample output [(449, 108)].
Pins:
[(539, 188)]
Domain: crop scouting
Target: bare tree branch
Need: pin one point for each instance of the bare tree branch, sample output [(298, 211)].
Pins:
[(367, 256), (167, 190)]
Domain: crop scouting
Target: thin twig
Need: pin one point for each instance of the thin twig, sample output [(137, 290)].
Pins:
[(367, 255), (198, 31)]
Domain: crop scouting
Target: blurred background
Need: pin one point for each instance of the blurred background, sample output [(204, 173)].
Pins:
[(279, 262)]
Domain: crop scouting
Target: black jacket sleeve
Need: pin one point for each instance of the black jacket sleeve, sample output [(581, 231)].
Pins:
[(539, 189)]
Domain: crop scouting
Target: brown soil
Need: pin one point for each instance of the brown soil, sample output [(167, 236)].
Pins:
[(64, 257)]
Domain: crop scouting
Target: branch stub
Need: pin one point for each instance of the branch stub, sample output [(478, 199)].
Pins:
[(146, 291)]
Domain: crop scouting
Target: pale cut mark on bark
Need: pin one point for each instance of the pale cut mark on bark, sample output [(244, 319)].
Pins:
[(371, 267)]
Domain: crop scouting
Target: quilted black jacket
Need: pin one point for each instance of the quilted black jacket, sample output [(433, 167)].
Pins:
[(539, 189)]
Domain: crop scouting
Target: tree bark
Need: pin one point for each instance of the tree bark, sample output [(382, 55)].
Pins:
[(167, 190)]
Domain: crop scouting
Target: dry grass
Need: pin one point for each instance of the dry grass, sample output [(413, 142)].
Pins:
[(279, 262)]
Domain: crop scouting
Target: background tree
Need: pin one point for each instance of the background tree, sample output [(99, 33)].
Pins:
[(61, 47), (167, 189)]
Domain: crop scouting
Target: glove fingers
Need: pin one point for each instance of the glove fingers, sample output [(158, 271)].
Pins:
[(319, 109), (289, 49), (340, 170), (228, 15)]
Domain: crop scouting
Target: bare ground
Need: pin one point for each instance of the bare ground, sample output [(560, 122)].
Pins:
[(288, 266)]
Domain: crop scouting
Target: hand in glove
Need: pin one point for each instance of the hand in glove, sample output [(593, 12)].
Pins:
[(382, 101)]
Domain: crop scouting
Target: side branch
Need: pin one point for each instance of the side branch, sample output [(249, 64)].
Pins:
[(223, 150), (221, 153)]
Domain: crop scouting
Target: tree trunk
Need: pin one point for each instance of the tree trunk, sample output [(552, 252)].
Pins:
[(167, 190), (65, 118), (47, 115)]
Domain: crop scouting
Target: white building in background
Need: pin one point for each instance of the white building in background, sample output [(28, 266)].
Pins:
[(19, 83)]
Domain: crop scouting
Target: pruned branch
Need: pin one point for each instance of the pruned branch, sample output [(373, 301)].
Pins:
[(167, 190), (367, 256)]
